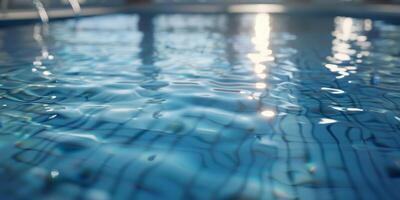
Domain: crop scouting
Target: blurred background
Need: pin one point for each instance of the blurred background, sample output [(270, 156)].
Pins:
[(22, 10), (19, 4), (10, 5)]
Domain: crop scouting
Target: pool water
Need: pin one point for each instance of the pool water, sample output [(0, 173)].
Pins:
[(206, 106)]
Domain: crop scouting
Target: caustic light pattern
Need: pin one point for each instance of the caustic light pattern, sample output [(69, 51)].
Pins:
[(139, 106)]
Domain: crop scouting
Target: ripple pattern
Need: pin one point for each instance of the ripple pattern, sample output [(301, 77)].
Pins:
[(182, 106)]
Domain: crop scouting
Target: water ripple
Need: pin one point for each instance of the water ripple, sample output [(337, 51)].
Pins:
[(173, 106)]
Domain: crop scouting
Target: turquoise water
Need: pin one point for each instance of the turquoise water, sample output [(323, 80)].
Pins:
[(177, 106)]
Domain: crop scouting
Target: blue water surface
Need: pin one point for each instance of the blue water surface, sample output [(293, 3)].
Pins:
[(206, 106)]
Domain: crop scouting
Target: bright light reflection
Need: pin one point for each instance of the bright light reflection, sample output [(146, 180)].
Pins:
[(260, 58), (46, 73), (268, 113), (349, 36), (367, 25), (261, 41), (346, 28), (327, 121), (261, 85), (54, 173), (262, 33), (262, 76), (342, 56), (258, 68)]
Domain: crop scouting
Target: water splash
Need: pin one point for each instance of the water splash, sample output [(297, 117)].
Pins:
[(76, 7), (44, 17)]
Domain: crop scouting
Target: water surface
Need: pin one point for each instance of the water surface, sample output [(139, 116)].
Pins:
[(200, 107)]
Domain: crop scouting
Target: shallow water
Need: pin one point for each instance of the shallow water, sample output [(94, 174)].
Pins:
[(200, 107)]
